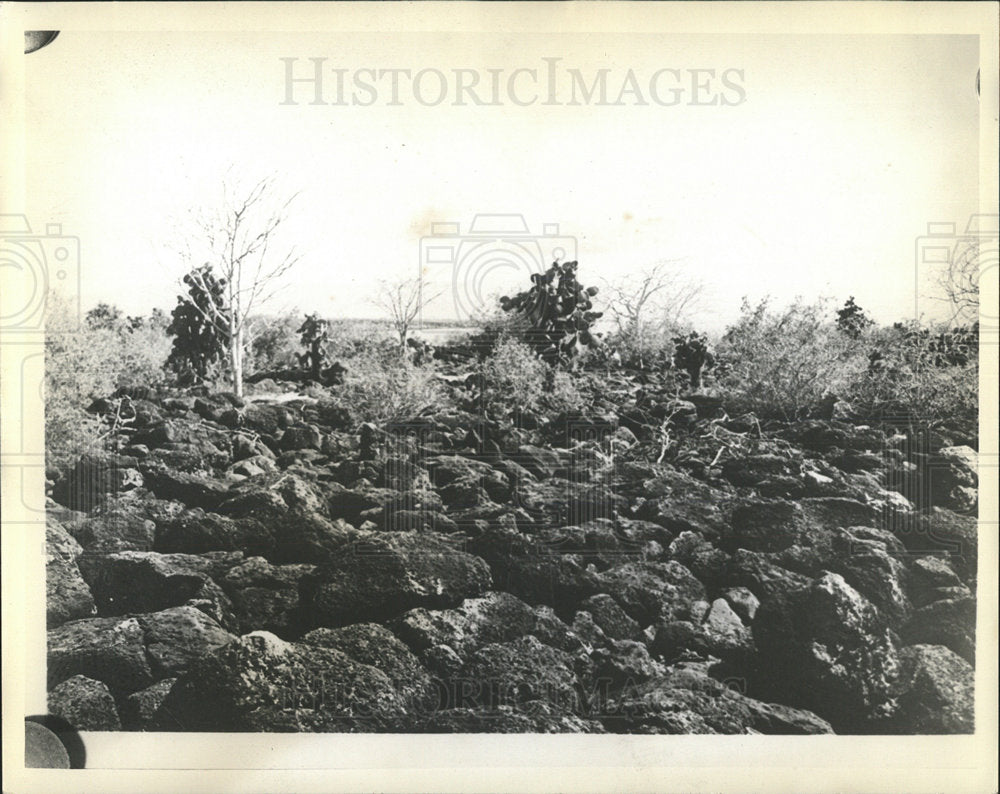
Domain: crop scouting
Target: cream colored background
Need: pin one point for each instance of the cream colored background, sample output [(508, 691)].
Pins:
[(486, 762)]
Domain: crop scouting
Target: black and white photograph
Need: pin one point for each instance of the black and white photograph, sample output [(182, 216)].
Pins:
[(598, 376)]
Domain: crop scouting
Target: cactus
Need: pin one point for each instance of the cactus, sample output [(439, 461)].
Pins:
[(852, 320), (315, 334), (199, 325), (692, 355), (558, 311)]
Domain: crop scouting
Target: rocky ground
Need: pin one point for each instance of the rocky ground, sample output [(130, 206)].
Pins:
[(268, 565)]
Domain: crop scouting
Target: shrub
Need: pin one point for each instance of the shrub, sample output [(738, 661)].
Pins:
[(514, 379), (648, 346), (494, 326), (349, 338), (920, 374), (783, 363), (383, 387), (82, 364), (274, 343)]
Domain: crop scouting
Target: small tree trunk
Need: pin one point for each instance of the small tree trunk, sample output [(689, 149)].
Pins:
[(236, 359)]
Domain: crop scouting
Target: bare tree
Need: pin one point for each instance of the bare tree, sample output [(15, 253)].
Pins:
[(239, 237), (658, 298), (959, 281), (403, 300)]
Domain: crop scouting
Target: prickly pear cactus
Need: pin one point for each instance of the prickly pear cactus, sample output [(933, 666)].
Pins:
[(558, 310), (314, 334), (692, 354)]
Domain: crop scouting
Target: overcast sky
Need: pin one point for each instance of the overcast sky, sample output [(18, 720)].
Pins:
[(820, 162)]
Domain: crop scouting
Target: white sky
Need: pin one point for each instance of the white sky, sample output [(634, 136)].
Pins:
[(818, 184)]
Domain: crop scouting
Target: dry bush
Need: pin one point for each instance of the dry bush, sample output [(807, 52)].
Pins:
[(783, 363), (925, 374), (83, 363), (382, 386)]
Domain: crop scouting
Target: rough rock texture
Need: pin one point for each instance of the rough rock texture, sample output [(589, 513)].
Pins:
[(375, 645), (132, 581), (934, 693), (131, 652), (138, 710), (506, 674), (689, 701), (382, 577), (826, 649), (539, 571), (262, 683), (85, 704), (494, 618), (67, 595)]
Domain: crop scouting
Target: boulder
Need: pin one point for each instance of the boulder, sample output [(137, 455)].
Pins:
[(675, 499), (929, 576), (755, 469), (688, 701), (111, 650), (146, 581), (112, 530), (824, 647), (540, 461), (284, 518), (764, 526), (935, 692), (612, 620), (833, 512), (622, 664), (652, 591), (605, 543), (378, 647), (266, 596), (561, 502), (264, 418), (301, 437), (517, 672), (721, 634), (386, 575), (952, 479), (85, 703), (138, 710), (261, 683), (950, 622), (67, 594), (88, 483), (539, 717), (743, 602), (868, 563), (194, 490), (823, 435), (528, 570), (944, 534), (196, 532), (760, 576), (704, 560), (175, 638), (493, 618)]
